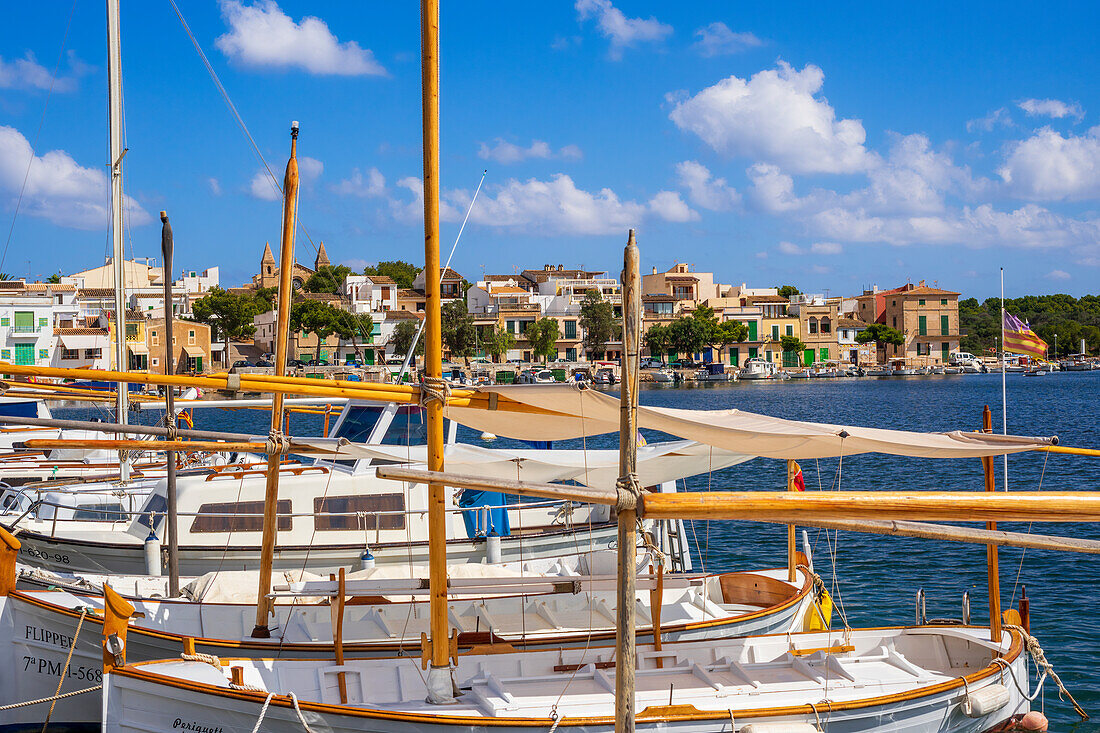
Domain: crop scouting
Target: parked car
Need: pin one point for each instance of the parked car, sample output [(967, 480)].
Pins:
[(264, 363), (652, 364), (685, 364), (295, 363), (241, 364)]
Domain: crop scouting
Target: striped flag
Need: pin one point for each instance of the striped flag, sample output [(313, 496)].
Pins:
[(1020, 339), (798, 483)]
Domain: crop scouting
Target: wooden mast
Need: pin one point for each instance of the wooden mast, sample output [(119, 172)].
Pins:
[(440, 686), (118, 258), (166, 251), (992, 567), (271, 493), (625, 640)]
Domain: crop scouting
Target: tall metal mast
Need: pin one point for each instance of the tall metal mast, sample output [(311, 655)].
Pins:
[(114, 96)]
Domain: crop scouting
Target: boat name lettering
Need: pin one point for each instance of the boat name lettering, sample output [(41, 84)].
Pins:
[(35, 633), (53, 668), (195, 726)]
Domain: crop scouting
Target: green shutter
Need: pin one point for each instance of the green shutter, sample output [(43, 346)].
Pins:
[(945, 351), (198, 363), (735, 356), (920, 302), (808, 357), (24, 322), (944, 329), (790, 330), (824, 353), (775, 332), (752, 352), (752, 331), (922, 325), (24, 354)]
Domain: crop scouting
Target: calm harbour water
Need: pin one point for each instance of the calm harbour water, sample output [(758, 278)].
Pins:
[(878, 577)]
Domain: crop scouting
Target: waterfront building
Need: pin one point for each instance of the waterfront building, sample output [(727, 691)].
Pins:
[(817, 316), (190, 346), (268, 276), (928, 317)]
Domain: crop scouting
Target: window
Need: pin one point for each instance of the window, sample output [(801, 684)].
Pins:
[(683, 292), (813, 325), (191, 337), (945, 351), (372, 511), (943, 301), (753, 353), (245, 516), (70, 353), (24, 322), (790, 330), (173, 339), (823, 353), (43, 322), (895, 321), (93, 353), (154, 338), (922, 325), (131, 331), (826, 325), (944, 329), (155, 361), (775, 332), (139, 362), (571, 354), (24, 354), (101, 513), (570, 329), (920, 302), (893, 302)]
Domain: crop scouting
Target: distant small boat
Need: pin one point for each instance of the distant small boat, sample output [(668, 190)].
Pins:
[(757, 368)]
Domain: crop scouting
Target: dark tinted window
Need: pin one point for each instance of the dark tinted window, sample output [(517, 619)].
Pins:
[(245, 516), (341, 512)]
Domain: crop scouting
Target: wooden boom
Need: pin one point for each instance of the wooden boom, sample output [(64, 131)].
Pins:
[(928, 506)]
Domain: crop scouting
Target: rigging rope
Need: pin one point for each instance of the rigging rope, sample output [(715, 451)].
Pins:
[(39, 701), (1040, 658), (65, 669)]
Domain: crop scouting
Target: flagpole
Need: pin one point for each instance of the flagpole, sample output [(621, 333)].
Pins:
[(1004, 372)]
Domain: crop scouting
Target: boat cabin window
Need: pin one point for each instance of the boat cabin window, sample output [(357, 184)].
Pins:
[(245, 516), (155, 506), (100, 513), (372, 511)]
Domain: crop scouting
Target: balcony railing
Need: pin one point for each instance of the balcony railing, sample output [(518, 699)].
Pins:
[(25, 329)]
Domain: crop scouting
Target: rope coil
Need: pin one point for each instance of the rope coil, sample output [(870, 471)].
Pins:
[(434, 389), (628, 491), (200, 657), (278, 443), (1040, 657)]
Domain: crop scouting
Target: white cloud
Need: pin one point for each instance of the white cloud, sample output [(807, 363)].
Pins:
[(619, 29), (58, 189), (826, 248), (506, 153), (355, 263), (1058, 275), (1051, 108), (669, 206), (372, 185), (544, 207), (571, 152), (998, 117), (262, 187), (214, 185), (772, 190), (761, 255), (704, 189), (1049, 167), (27, 73), (790, 248), (776, 117), (717, 39), (263, 36)]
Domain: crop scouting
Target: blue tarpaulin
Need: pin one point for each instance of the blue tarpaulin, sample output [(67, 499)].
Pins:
[(476, 518)]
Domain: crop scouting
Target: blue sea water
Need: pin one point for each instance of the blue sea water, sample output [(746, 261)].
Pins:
[(875, 578)]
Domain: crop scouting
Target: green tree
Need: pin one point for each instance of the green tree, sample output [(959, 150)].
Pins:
[(229, 315), (403, 336), (792, 343), (656, 339), (882, 335), (497, 342), (543, 335), (714, 333), (54, 278), (353, 326), (327, 279), (459, 333), (786, 291), (315, 317), (402, 273), (687, 335), (598, 322)]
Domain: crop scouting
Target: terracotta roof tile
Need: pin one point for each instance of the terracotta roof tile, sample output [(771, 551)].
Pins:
[(80, 332)]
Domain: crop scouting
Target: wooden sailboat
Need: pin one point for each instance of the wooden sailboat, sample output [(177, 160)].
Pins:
[(897, 679)]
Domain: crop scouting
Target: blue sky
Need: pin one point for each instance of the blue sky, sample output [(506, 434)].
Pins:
[(829, 146)]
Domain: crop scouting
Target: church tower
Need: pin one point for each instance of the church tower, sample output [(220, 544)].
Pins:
[(322, 258)]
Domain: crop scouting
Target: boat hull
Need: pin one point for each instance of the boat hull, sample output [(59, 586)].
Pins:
[(167, 696), (40, 635)]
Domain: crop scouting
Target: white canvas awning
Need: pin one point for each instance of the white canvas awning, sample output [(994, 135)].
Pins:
[(83, 341), (137, 347), (657, 462), (575, 411)]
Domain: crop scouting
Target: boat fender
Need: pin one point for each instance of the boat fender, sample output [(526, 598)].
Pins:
[(983, 702), (493, 554), (488, 436), (366, 560), (780, 728), (152, 554), (1034, 722)]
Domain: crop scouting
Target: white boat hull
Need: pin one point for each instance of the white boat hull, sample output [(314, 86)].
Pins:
[(514, 694)]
